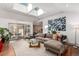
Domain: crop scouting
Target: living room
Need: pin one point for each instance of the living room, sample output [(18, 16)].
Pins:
[(39, 29)]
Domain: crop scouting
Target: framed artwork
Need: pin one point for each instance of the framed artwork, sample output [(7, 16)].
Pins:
[(58, 24)]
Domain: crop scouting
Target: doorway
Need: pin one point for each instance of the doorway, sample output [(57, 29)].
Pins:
[(38, 27), (19, 30)]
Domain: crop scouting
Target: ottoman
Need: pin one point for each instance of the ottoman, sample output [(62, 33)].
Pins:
[(55, 46)]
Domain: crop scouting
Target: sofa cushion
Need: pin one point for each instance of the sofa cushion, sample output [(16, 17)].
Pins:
[(39, 38), (46, 39), (39, 35), (48, 35), (54, 44)]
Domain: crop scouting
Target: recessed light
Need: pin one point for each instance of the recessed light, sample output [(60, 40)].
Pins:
[(67, 5)]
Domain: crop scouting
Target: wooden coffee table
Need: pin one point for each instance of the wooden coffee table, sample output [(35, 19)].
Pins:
[(34, 43)]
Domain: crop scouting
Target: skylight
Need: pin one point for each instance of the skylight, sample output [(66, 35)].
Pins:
[(23, 7), (36, 11), (40, 12), (27, 8)]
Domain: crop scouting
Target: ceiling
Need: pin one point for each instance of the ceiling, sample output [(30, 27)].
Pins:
[(53, 8), (48, 8)]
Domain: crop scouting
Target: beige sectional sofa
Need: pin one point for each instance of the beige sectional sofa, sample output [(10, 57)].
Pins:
[(52, 44), (55, 46), (43, 37)]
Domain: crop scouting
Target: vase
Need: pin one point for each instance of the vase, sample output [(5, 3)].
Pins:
[(54, 36)]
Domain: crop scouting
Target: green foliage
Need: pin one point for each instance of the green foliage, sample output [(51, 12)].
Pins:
[(5, 34), (54, 32)]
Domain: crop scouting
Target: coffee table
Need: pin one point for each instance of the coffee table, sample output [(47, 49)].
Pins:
[(34, 43)]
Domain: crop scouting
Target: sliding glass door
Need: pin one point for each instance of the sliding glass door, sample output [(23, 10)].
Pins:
[(19, 30)]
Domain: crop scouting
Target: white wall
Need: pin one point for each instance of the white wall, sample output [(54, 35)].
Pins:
[(72, 17), (11, 16), (4, 23), (16, 15)]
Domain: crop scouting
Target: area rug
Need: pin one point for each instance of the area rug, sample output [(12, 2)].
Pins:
[(21, 48)]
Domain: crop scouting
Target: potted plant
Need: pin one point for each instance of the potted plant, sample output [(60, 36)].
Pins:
[(54, 32), (54, 35), (5, 35)]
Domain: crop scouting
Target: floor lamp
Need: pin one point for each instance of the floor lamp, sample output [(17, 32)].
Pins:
[(76, 27)]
